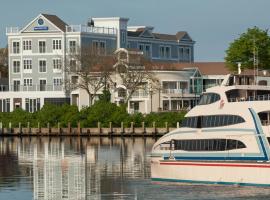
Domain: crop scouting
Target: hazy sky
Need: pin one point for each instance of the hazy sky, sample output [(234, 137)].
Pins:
[(213, 24)]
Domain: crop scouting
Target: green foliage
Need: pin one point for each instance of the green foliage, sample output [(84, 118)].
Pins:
[(102, 111), (241, 49), (105, 96)]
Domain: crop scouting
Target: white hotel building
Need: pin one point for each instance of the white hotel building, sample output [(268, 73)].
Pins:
[(38, 56)]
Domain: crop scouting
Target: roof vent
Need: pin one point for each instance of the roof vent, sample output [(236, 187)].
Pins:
[(90, 22)]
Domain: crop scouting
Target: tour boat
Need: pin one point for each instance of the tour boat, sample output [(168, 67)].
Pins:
[(223, 140)]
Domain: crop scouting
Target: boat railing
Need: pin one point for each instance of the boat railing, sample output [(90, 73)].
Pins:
[(265, 97)]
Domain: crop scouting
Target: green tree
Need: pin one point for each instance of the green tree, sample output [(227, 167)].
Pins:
[(242, 49)]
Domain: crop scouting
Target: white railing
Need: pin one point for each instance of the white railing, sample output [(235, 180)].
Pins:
[(140, 94), (12, 30), (91, 29), (265, 97), (32, 88), (175, 91)]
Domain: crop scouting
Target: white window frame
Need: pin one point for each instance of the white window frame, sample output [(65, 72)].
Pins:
[(45, 65), (27, 82), (57, 44), (16, 60), (42, 79), (17, 48), (13, 85), (45, 48), (181, 54), (27, 45), (57, 65), (57, 83), (75, 48), (29, 65)]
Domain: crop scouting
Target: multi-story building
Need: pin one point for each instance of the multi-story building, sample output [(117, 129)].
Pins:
[(39, 55)]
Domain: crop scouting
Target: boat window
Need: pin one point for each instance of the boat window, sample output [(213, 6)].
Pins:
[(211, 121), (207, 145), (209, 98)]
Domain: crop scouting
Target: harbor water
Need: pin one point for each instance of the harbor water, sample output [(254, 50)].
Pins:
[(95, 168)]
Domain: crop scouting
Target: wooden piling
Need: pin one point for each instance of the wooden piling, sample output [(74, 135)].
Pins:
[(122, 128), (154, 129), (143, 129), (58, 129), (69, 129), (132, 128), (28, 128), (79, 131), (99, 128)]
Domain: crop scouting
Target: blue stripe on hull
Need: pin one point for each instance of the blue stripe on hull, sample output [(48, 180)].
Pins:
[(209, 182)]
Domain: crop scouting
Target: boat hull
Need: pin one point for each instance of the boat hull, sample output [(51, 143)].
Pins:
[(200, 172)]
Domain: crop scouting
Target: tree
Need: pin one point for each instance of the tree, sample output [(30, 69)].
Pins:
[(253, 42), (3, 62), (133, 71), (90, 70)]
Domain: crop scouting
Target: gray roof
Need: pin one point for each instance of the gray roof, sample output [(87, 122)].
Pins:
[(178, 36), (56, 21)]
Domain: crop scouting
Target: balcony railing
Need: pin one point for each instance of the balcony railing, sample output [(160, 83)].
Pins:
[(175, 91), (12, 30), (265, 97), (32, 88), (140, 94), (91, 29)]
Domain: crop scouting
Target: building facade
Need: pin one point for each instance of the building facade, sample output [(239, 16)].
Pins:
[(39, 55)]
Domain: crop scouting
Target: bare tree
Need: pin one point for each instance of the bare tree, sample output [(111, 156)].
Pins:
[(89, 70), (134, 72)]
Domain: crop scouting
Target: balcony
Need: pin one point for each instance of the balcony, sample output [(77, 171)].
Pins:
[(140, 94), (90, 29), (33, 88), (12, 30), (175, 91)]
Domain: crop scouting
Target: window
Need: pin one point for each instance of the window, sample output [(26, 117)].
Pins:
[(42, 66), (181, 53), (99, 47), (16, 47), (42, 46), (57, 101), (57, 45), (42, 85), (72, 46), (27, 82), (4, 105), (123, 36), (207, 145), (102, 48), (202, 145), (209, 98), (16, 66), (72, 64), (211, 121), (32, 105), (27, 64), (187, 54), (57, 64), (167, 52), (27, 45), (146, 49), (161, 51), (16, 85), (57, 81)]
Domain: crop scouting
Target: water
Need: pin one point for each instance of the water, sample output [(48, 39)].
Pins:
[(95, 168)]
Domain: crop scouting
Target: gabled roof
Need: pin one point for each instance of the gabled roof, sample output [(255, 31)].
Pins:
[(177, 37), (205, 68), (56, 21)]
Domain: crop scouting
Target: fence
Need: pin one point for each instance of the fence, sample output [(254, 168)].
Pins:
[(78, 131)]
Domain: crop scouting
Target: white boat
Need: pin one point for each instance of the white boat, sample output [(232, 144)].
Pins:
[(223, 140)]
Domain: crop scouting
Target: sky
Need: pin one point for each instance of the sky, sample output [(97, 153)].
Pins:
[(213, 24)]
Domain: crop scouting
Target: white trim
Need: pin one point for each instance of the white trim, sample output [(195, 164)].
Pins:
[(42, 40), (39, 16), (159, 41), (42, 59), (12, 64)]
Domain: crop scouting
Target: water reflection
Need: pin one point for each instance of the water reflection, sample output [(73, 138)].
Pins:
[(76, 168)]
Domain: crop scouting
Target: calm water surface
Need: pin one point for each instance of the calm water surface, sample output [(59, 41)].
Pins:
[(94, 168)]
